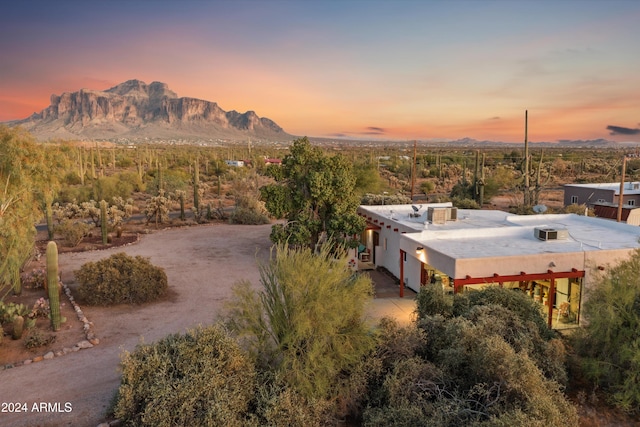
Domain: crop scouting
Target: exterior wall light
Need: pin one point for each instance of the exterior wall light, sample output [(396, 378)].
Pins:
[(419, 249)]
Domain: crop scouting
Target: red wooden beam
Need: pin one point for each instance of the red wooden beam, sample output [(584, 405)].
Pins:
[(467, 280)]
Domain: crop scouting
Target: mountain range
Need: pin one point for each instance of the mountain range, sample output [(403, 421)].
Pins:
[(136, 110)]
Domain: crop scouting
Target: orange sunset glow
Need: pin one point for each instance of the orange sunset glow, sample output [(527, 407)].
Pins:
[(353, 69)]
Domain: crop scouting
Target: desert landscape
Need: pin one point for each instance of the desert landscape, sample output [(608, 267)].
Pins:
[(202, 264)]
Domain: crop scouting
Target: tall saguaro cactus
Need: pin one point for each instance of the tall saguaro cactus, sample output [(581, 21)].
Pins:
[(103, 221), (52, 285), (196, 189)]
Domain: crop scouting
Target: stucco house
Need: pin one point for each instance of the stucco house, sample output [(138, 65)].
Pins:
[(589, 194), (552, 258)]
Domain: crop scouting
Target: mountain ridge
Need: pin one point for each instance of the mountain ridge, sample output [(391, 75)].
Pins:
[(134, 109)]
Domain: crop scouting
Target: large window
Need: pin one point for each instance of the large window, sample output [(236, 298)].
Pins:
[(565, 300)]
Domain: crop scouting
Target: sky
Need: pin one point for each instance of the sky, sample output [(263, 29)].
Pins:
[(389, 69)]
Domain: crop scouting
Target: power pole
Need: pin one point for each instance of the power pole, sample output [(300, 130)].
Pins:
[(527, 193), (481, 196), (413, 170), (621, 197)]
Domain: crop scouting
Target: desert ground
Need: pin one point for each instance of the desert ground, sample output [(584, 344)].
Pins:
[(202, 264)]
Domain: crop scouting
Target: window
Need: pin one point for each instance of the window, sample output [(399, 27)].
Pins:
[(574, 200), (631, 202)]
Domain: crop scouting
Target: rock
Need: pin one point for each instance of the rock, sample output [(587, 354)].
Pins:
[(84, 344), (27, 362), (94, 341), (38, 359), (48, 356)]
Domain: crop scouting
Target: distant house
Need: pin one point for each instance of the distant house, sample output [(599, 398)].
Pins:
[(235, 163), (553, 259), (590, 194), (271, 161)]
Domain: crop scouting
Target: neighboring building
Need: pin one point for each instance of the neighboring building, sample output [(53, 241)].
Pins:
[(552, 258), (271, 161), (628, 214), (589, 194), (235, 163)]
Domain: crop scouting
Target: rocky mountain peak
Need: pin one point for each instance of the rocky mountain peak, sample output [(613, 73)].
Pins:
[(135, 109)]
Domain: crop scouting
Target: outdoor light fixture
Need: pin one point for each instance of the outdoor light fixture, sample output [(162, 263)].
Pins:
[(552, 264), (419, 249)]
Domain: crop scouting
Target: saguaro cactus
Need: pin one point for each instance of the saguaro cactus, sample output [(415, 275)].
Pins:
[(18, 327), (52, 285), (103, 221), (196, 189)]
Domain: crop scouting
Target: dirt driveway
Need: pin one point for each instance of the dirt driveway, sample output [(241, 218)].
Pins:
[(202, 263)]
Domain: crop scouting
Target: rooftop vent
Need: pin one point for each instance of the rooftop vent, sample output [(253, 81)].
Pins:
[(550, 233), (442, 215)]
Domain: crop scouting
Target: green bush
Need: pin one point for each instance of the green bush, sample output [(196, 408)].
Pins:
[(201, 378), (75, 194), (485, 364), (108, 187), (609, 342), (249, 211), (307, 323), (131, 179), (120, 279), (72, 232)]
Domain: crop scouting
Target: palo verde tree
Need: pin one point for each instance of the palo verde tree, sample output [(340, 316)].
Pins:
[(307, 323), (315, 193), (21, 176)]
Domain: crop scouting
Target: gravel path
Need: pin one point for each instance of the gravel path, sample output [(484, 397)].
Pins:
[(202, 263)]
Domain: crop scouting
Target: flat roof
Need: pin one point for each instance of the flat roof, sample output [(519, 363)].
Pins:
[(629, 187), (493, 233)]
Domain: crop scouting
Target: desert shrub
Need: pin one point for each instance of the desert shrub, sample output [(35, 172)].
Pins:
[(277, 404), (307, 323), (249, 211), (120, 279), (124, 162), (172, 180), (201, 378), (72, 178), (72, 232), (384, 199), (484, 365), (609, 342), (427, 187), (132, 179), (73, 194), (431, 300), (37, 339), (464, 203), (108, 187), (517, 302)]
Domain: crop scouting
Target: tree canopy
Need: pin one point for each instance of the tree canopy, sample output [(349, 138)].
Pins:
[(316, 195), (610, 340), (307, 322), (23, 176)]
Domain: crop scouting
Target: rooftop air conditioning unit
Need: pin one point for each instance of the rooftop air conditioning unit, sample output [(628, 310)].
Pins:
[(452, 214), (437, 215), (550, 233)]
